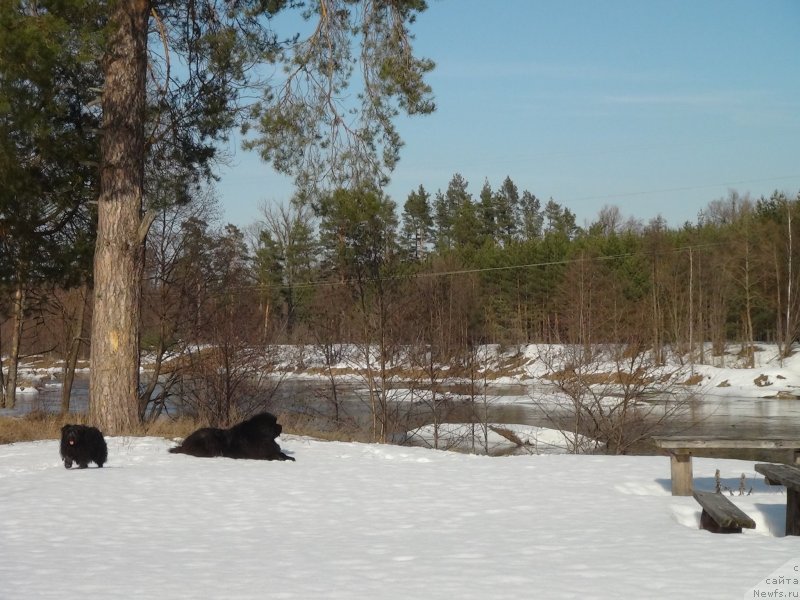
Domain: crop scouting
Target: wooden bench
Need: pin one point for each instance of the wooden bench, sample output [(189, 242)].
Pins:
[(788, 476), (681, 449), (720, 515)]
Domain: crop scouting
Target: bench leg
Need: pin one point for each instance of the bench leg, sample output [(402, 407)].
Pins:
[(792, 512), (681, 472)]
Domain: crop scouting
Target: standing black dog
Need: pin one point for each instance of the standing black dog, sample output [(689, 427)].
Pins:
[(253, 438), (83, 444)]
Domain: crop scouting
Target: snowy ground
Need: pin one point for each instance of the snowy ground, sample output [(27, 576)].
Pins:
[(360, 521), (372, 522)]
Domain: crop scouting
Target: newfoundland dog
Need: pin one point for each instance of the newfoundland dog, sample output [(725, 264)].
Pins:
[(253, 438), (82, 444)]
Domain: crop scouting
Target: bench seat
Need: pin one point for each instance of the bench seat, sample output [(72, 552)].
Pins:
[(720, 515)]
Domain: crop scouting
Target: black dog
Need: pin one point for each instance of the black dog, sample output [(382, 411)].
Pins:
[(83, 444), (207, 442), (253, 438)]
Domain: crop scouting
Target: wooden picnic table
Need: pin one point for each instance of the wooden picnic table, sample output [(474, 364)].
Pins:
[(681, 449), (788, 476)]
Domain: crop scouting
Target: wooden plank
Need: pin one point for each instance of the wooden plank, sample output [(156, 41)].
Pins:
[(681, 474), (786, 475), (699, 442), (720, 515)]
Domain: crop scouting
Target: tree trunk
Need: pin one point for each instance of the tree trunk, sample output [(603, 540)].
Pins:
[(118, 264), (748, 294), (73, 352), (778, 304), (147, 394), (789, 331), (691, 309), (657, 355), (16, 340)]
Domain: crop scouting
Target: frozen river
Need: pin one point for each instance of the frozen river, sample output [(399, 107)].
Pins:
[(709, 415)]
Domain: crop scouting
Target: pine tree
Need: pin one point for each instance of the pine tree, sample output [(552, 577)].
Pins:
[(560, 220), (417, 224), (487, 212), (48, 150), (443, 217), (358, 233), (284, 258), (531, 218), (217, 42), (465, 226), (506, 210)]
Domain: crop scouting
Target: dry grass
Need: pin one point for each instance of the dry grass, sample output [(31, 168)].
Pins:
[(695, 379), (33, 426), (507, 367), (46, 426), (601, 378)]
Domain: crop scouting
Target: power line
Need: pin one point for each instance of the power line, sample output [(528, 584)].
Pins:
[(315, 284)]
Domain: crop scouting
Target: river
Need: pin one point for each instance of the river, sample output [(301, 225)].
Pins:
[(710, 415)]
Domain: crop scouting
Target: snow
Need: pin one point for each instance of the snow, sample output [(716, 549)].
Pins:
[(351, 521), (497, 439), (722, 375)]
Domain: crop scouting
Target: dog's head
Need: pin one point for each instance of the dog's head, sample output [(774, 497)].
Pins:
[(70, 435)]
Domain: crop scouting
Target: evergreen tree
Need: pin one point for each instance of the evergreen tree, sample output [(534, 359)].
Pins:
[(48, 149), (309, 126), (270, 259), (560, 220), (300, 123), (284, 258), (417, 224), (531, 219), (194, 274), (552, 214), (506, 210), (450, 207), (465, 228), (48, 138), (358, 230), (230, 262), (443, 218), (358, 233), (486, 212)]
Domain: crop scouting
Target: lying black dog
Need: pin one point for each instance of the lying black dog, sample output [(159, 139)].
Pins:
[(253, 438), (82, 444)]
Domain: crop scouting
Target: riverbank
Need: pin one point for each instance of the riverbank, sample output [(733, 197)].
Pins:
[(727, 374), (514, 386)]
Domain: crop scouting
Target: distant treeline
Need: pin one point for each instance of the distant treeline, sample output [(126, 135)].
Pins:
[(446, 272), (507, 268)]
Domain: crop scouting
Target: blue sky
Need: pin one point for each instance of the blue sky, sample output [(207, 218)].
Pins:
[(655, 106)]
